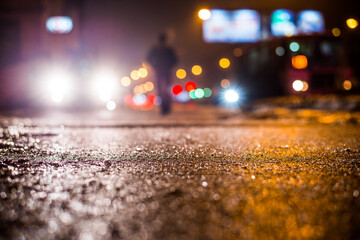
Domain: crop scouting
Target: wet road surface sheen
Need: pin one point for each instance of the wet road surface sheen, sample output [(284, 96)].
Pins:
[(246, 182)]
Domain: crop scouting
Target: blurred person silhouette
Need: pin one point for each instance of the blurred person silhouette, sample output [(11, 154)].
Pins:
[(162, 58)]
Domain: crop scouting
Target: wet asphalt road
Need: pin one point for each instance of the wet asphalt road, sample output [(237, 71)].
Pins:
[(248, 180)]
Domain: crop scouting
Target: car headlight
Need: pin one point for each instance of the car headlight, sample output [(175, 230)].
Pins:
[(57, 84), (231, 96)]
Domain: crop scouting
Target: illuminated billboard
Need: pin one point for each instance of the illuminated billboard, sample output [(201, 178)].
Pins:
[(310, 21), (282, 23), (232, 26), (59, 25)]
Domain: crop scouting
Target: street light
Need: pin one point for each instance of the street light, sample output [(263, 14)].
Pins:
[(336, 32), (224, 63), (196, 70), (352, 23), (180, 73)]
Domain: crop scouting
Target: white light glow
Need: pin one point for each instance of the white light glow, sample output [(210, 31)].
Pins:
[(298, 85), (105, 84), (204, 14), (105, 95), (139, 99), (57, 83), (231, 96), (59, 24), (110, 105), (57, 97)]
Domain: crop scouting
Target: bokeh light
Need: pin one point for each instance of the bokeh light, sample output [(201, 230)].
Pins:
[(158, 100), (151, 98), (294, 46), (280, 51), (207, 92), (128, 99), (305, 87), (237, 52), (192, 94), (196, 70), (139, 99), (149, 103), (224, 62), (204, 14), (347, 85), (182, 97), (148, 86), (125, 81), (352, 23), (189, 86), (231, 96), (298, 85), (299, 61), (110, 105), (138, 90), (336, 32), (199, 93), (135, 75), (180, 73), (58, 84), (143, 72), (177, 89), (225, 83)]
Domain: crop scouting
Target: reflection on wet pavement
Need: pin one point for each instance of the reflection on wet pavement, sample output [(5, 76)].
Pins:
[(250, 182)]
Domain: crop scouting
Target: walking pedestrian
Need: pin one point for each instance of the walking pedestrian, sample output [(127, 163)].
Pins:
[(162, 58)]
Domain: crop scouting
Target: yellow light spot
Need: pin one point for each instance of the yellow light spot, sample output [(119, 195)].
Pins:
[(352, 23), (142, 72), (180, 73), (196, 70), (135, 75), (347, 85), (125, 81), (336, 32), (237, 52), (204, 14), (138, 90), (225, 83), (148, 86), (224, 63), (299, 61)]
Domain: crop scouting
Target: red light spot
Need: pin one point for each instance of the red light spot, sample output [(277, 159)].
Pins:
[(128, 99), (189, 86), (177, 89), (151, 98), (147, 105)]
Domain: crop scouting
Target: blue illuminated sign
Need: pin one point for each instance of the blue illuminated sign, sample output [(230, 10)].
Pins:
[(310, 21), (232, 26), (283, 23), (59, 25)]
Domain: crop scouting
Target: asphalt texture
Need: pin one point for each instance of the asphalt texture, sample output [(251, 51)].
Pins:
[(275, 174)]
